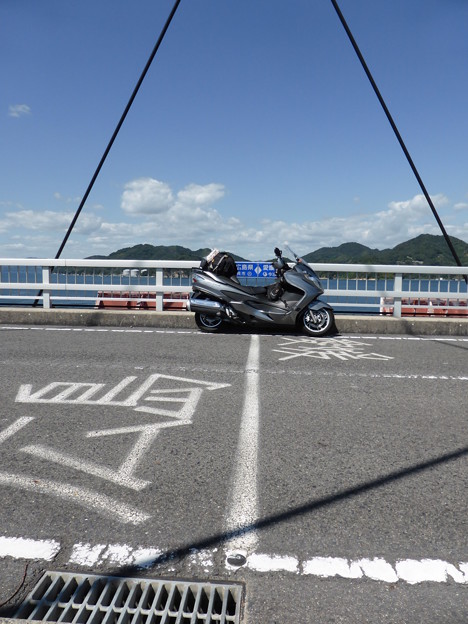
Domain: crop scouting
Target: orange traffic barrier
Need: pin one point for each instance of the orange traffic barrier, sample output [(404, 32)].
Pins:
[(425, 307), (140, 300)]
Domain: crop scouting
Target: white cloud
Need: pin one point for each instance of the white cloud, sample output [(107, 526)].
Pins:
[(188, 218), (86, 224), (461, 206), (197, 195), (19, 110), (151, 198), (45, 220), (50, 221), (146, 196), (67, 200)]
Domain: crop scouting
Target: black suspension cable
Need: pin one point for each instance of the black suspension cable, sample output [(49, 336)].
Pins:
[(398, 135), (117, 129)]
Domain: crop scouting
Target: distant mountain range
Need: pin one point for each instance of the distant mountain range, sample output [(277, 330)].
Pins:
[(425, 249), (159, 252)]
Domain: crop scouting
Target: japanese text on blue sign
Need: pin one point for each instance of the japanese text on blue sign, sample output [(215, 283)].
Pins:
[(255, 269)]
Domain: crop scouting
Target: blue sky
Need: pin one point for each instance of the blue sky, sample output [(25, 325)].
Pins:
[(255, 124)]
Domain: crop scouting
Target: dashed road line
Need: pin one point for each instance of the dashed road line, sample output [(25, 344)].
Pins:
[(21, 548), (198, 333), (87, 555)]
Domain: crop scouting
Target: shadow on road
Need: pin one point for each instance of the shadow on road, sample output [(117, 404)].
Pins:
[(263, 523)]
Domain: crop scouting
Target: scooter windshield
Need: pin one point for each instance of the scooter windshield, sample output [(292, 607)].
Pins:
[(303, 267), (309, 274)]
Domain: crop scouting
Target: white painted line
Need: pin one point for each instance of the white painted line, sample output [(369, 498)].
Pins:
[(411, 571), (113, 554), (99, 503), (57, 328), (272, 563), (119, 477), (15, 427), (205, 335), (86, 554), (13, 327), (109, 396), (79, 393), (331, 566), (243, 507), (376, 569), (21, 548), (148, 434), (435, 570), (314, 373)]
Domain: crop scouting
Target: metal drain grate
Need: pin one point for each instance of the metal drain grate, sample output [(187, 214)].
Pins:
[(93, 599)]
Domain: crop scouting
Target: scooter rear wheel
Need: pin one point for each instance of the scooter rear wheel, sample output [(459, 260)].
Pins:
[(208, 322), (317, 322)]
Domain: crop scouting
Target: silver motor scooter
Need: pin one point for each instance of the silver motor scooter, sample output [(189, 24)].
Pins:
[(292, 301)]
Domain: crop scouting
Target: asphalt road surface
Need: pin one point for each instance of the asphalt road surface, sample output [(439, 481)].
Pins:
[(328, 476)]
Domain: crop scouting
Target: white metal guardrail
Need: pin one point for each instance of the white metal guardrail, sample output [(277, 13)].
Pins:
[(161, 284)]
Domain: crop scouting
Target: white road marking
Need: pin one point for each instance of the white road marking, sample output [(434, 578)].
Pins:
[(182, 401), (21, 548), (100, 503), (118, 477), (322, 373), (377, 569), (243, 506), (272, 563), (411, 571), (111, 394), (123, 555), (435, 570), (205, 335), (326, 349), (148, 434), (86, 554), (79, 393), (15, 427)]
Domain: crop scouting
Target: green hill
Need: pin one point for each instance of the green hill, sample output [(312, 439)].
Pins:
[(425, 249), (346, 253), (159, 252)]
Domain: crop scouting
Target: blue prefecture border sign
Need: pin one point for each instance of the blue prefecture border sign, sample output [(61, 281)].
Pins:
[(255, 269)]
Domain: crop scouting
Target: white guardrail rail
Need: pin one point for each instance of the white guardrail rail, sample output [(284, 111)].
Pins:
[(164, 285)]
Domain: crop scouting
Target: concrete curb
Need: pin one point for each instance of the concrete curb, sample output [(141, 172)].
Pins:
[(346, 324)]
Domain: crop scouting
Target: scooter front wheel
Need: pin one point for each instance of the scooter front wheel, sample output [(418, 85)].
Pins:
[(208, 322), (317, 322)]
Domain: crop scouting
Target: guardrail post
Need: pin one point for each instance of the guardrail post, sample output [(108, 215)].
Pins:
[(159, 295), (398, 288), (45, 291)]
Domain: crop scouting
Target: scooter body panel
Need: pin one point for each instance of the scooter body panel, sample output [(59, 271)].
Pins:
[(221, 296)]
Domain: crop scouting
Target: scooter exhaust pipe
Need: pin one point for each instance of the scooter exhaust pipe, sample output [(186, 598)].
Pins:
[(204, 306)]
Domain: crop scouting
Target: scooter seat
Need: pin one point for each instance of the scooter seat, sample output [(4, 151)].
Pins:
[(251, 290), (255, 290)]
